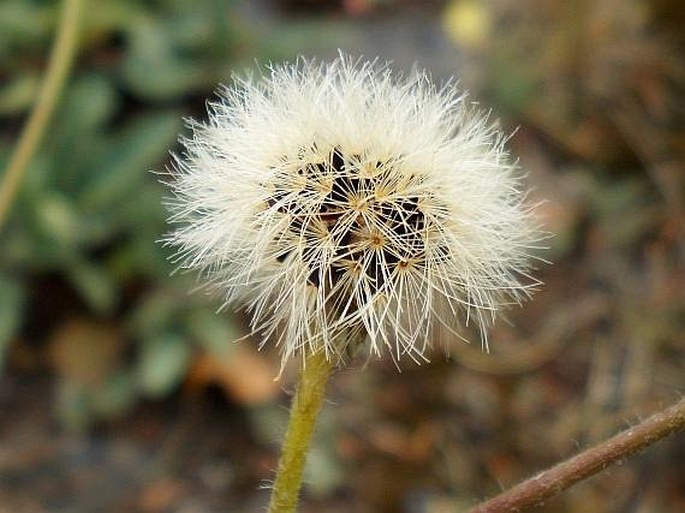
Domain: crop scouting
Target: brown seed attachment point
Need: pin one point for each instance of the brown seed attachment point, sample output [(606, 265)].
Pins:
[(372, 226)]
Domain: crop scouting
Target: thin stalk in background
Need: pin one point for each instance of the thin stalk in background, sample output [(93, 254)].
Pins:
[(61, 59), (536, 490), (305, 408)]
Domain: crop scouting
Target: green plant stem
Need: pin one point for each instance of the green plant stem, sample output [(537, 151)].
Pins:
[(306, 405), (549, 483), (61, 59)]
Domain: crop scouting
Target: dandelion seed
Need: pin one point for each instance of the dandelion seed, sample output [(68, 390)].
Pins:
[(340, 203)]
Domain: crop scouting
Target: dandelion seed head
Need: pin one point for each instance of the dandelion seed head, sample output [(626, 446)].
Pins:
[(341, 203)]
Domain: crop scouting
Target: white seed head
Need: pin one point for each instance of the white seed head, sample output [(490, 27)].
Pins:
[(340, 204)]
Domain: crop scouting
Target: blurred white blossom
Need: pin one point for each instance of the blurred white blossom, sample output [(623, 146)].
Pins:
[(342, 204)]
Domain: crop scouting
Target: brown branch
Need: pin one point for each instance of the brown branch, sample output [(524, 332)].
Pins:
[(549, 483)]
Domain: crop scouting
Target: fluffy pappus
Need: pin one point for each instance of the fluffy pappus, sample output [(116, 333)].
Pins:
[(342, 204)]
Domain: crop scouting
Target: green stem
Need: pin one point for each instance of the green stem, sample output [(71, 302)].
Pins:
[(306, 405), (58, 70)]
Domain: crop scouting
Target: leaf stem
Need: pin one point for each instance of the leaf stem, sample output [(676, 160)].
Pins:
[(61, 58), (306, 405), (534, 491)]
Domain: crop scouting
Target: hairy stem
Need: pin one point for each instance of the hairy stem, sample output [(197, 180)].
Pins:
[(549, 483), (306, 405), (61, 59)]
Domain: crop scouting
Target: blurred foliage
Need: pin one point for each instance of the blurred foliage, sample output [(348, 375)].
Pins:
[(80, 272)]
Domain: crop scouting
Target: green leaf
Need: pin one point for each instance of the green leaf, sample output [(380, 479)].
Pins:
[(90, 104), (158, 67), (57, 219), (163, 364), (215, 332), (126, 165), (24, 24), (95, 285), (155, 312), (19, 93), (104, 17)]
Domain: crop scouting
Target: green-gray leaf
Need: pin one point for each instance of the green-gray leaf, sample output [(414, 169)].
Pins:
[(162, 364)]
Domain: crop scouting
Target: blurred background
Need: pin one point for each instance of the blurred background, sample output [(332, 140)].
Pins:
[(122, 391)]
